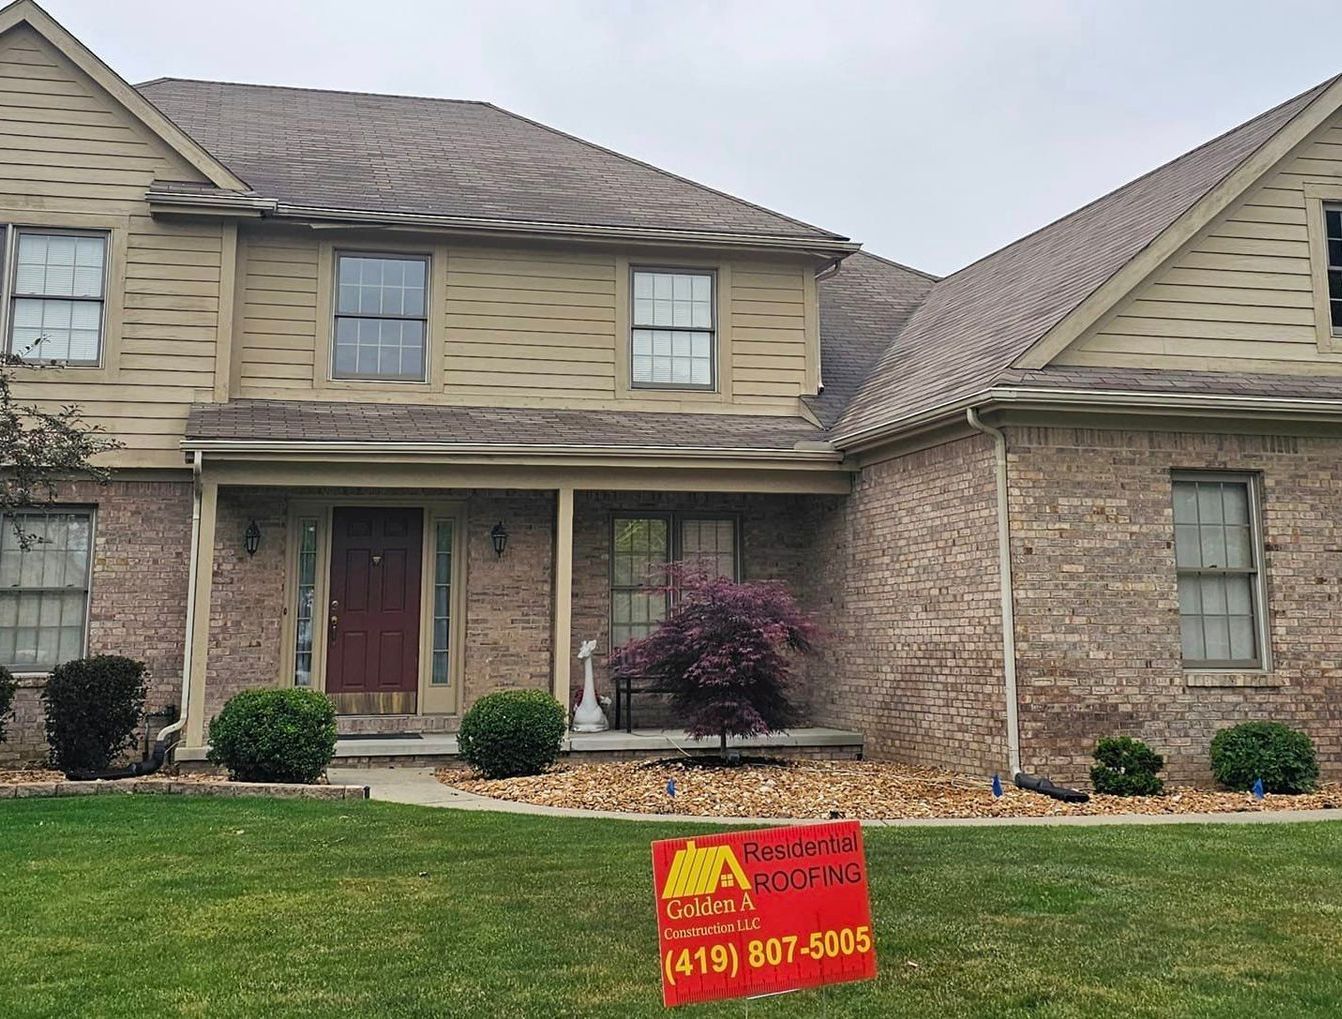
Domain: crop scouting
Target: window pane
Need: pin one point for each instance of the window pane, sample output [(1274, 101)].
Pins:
[(710, 545), (442, 602), (640, 547), (305, 590), (59, 265), (672, 320), (43, 588)]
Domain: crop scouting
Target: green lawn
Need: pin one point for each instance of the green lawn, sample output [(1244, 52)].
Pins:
[(148, 906)]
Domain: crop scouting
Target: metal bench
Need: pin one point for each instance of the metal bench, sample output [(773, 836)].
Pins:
[(626, 686)]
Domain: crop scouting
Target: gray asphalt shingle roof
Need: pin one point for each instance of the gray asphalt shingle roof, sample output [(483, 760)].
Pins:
[(401, 154), (319, 421), (976, 322), (1174, 380)]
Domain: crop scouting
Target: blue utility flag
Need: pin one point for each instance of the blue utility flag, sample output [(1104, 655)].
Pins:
[(1258, 789), (997, 786), (671, 788)]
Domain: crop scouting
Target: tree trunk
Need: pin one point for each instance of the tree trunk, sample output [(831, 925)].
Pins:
[(722, 745)]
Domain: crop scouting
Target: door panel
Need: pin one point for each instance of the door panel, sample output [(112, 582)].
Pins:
[(372, 662)]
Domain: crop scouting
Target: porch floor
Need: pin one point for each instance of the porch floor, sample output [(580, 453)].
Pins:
[(610, 741)]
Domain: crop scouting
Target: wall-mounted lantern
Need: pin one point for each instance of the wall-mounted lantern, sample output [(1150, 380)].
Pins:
[(251, 538), (498, 534)]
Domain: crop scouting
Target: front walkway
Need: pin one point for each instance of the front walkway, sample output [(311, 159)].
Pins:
[(418, 786)]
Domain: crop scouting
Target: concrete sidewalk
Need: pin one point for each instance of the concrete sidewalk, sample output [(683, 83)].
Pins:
[(418, 786)]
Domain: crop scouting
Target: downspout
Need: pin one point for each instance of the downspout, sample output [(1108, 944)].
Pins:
[(160, 751), (1004, 576)]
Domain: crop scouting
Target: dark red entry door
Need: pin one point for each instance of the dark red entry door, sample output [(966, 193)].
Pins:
[(372, 664)]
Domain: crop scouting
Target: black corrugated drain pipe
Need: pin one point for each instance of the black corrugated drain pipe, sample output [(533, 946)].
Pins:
[(135, 770), (1038, 784)]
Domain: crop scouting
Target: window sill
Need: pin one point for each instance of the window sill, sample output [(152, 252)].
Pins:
[(1233, 679)]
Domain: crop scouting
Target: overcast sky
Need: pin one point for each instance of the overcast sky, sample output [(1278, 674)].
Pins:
[(933, 132)]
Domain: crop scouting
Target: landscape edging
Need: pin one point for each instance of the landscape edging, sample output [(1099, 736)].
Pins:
[(158, 787)]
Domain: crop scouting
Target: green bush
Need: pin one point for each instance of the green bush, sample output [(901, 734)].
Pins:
[(513, 732), (277, 735), (1126, 767), (8, 685), (1282, 757), (94, 707)]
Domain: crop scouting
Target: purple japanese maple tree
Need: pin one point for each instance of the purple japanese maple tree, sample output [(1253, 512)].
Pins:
[(726, 652)]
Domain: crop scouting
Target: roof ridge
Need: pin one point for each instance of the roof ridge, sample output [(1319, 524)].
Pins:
[(666, 173), (1319, 88), (309, 88)]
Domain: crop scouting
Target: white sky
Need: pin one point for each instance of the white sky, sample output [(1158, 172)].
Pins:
[(933, 132)]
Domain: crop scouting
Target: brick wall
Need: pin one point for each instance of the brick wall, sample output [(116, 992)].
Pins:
[(906, 573), (1097, 601), (138, 596)]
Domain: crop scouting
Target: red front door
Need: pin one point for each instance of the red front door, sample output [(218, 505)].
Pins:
[(372, 664)]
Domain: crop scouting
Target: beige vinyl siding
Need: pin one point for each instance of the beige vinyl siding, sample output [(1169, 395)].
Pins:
[(278, 312), (69, 151), (768, 316), (515, 326), (1237, 297)]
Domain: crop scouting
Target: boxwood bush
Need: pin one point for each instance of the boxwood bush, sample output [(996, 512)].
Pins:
[(94, 707), (8, 686), (513, 732), (276, 735), (1126, 767), (1282, 757)]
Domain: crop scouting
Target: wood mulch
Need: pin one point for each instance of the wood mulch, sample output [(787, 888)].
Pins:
[(822, 789)]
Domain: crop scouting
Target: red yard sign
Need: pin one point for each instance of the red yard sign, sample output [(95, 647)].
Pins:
[(760, 912)]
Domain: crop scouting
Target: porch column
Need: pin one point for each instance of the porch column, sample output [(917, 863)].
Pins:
[(198, 615), (563, 596)]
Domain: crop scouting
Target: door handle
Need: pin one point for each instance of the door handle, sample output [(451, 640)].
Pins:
[(333, 620)]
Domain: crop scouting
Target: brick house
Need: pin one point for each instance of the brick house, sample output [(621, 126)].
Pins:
[(405, 420)]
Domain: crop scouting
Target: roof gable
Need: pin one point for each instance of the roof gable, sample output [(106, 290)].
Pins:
[(361, 153), (1024, 303), (27, 13)]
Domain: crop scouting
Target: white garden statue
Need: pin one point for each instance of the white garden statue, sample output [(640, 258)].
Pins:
[(588, 716)]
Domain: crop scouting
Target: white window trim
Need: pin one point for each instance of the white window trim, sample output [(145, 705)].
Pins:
[(714, 330)]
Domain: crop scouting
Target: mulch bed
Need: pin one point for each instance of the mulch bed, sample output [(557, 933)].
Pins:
[(823, 789)]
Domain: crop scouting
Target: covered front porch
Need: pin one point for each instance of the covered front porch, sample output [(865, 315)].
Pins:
[(407, 589)]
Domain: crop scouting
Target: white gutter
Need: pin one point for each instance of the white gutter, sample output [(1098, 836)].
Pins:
[(1004, 578), (192, 569), (823, 454)]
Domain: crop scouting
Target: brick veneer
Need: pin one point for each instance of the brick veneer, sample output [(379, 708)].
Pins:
[(1097, 602), (906, 571), (138, 597)]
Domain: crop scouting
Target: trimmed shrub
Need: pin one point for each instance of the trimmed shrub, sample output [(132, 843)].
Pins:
[(1126, 767), (513, 732), (8, 685), (1282, 757), (276, 735), (94, 707)]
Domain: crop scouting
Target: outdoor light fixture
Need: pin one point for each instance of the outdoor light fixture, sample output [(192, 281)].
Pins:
[(251, 538), (499, 536)]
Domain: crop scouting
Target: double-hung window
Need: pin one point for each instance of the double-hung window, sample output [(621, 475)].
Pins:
[(44, 587), (381, 317), (57, 289), (1332, 218), (673, 329), (1217, 550), (641, 548)]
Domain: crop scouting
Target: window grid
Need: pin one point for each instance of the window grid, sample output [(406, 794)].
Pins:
[(57, 289), (44, 588), (643, 544), (1217, 560), (442, 603), (673, 329), (381, 317), (1333, 223), (306, 591)]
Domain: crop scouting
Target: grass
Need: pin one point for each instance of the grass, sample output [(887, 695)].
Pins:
[(116, 906)]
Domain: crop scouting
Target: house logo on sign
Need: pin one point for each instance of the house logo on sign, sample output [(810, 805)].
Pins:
[(696, 871)]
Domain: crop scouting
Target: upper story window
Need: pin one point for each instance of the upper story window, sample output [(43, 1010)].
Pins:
[(381, 317), (1333, 221), (674, 329), (1217, 551), (57, 286)]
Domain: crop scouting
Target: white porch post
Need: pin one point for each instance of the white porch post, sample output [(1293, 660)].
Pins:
[(563, 597), (198, 621)]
